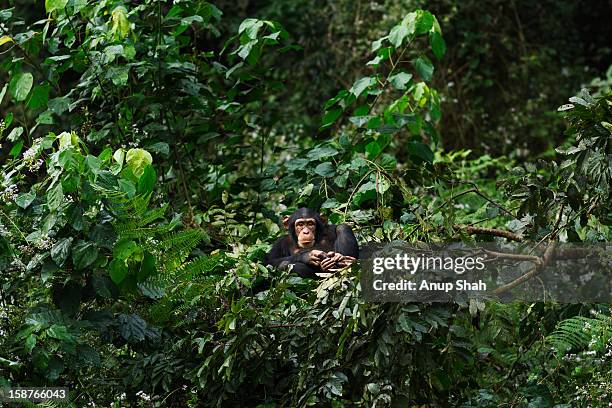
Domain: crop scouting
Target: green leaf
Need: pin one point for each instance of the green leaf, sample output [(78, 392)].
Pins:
[(147, 267), (60, 251), (330, 117), (20, 86), (30, 343), (373, 149), (52, 5), (3, 92), (424, 68), (55, 196), (137, 160), (320, 152), (132, 327), (296, 164), (146, 182), (424, 22), (377, 44), (84, 254), (400, 80), (361, 85), (388, 162), (16, 149), (125, 249), (398, 34), (117, 270), (25, 199), (39, 97), (325, 169), (437, 44), (59, 332), (421, 150), (118, 75), (15, 134)]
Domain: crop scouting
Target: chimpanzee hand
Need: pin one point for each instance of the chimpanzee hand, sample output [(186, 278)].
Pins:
[(330, 260), (313, 257), (346, 260)]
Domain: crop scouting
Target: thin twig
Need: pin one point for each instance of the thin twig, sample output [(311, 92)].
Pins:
[(518, 257), (490, 231), (533, 272)]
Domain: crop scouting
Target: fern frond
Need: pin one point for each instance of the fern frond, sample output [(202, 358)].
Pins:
[(577, 332), (131, 230), (202, 264), (183, 240)]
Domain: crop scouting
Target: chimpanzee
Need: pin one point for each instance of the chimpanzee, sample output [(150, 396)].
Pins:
[(313, 245)]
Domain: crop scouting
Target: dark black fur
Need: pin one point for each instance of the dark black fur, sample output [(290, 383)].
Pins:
[(329, 237)]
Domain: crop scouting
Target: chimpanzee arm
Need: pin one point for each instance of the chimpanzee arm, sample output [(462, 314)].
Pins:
[(280, 256), (346, 243)]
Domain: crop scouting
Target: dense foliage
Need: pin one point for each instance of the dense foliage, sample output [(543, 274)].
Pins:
[(149, 148)]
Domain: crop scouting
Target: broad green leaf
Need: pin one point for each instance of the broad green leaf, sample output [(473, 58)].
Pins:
[(59, 332), (20, 86), (388, 162), (76, 5), (424, 22), (15, 134), (52, 5), (437, 44), (296, 164), (373, 149), (24, 200), (68, 140), (125, 249), (39, 97), (398, 34), (55, 196), (30, 343), (377, 44), (60, 251), (84, 254), (424, 68), (119, 75), (113, 51), (127, 187), (132, 327), (147, 267), (420, 150), (410, 21), (160, 147), (330, 117), (117, 270), (137, 160), (325, 169), (361, 85), (400, 80), (16, 150), (321, 152), (146, 182)]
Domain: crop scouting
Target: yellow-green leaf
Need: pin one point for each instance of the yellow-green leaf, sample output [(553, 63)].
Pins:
[(5, 39), (52, 5), (121, 24)]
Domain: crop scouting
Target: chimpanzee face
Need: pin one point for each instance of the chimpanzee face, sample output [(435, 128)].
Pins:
[(305, 229)]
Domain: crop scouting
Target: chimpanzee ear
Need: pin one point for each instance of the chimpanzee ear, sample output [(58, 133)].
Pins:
[(323, 218), (286, 222)]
